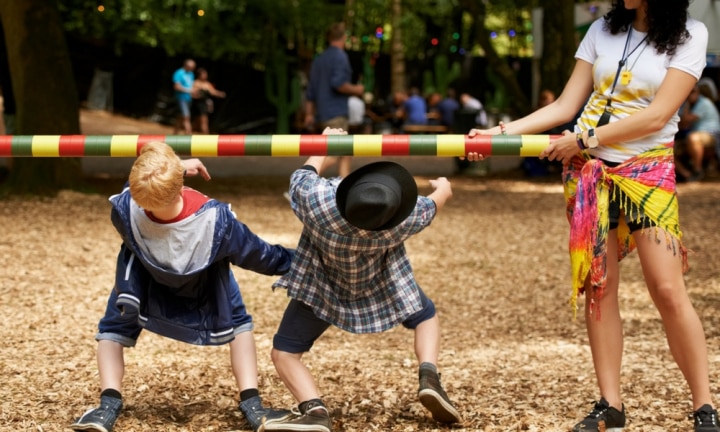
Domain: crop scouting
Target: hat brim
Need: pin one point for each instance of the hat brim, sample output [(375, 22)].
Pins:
[(408, 187)]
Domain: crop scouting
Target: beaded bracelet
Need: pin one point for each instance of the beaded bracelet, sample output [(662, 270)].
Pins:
[(503, 131), (579, 141)]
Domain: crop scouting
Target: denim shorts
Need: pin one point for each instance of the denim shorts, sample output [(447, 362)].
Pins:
[(125, 329), (300, 327), (184, 107)]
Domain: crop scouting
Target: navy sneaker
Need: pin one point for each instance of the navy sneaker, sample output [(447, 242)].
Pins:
[(254, 412), (706, 419), (100, 419), (602, 418)]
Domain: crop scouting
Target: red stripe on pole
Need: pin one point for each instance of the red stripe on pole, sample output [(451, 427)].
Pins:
[(71, 146), (231, 145), (396, 145), (479, 144), (313, 145), (5, 145)]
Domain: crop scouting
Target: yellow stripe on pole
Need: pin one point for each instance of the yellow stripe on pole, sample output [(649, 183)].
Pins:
[(285, 145), (532, 145), (367, 145), (46, 145), (204, 145), (450, 145), (123, 145)]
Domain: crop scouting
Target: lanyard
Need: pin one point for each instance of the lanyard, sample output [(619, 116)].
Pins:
[(624, 57), (605, 117)]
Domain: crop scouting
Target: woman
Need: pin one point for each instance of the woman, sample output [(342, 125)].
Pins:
[(634, 69), (203, 92)]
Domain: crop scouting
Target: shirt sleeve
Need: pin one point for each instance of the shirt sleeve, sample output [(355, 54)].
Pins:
[(587, 50), (690, 57)]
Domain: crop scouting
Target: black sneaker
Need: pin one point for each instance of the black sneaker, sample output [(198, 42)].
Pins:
[(100, 419), (313, 418), (602, 418), (706, 419), (433, 397), (254, 411)]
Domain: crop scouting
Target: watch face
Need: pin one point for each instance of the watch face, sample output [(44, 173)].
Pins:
[(592, 142)]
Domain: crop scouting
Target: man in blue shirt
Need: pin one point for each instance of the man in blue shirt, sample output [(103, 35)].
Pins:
[(183, 80), (329, 88)]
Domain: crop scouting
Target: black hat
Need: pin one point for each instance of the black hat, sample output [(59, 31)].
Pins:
[(377, 196)]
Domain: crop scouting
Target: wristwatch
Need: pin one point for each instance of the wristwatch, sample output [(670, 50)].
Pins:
[(592, 140)]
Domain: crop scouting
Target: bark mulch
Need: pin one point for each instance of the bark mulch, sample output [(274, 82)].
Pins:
[(494, 261)]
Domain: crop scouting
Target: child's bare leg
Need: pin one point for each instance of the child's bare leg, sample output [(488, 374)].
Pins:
[(111, 364), (243, 359), (427, 341)]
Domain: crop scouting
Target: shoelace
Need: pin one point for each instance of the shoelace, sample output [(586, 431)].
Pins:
[(598, 410), (704, 418)]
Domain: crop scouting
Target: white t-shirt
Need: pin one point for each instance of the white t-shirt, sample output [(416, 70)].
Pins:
[(356, 111), (648, 69)]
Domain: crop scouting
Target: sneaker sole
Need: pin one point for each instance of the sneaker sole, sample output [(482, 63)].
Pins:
[(273, 426), (87, 427), (440, 409)]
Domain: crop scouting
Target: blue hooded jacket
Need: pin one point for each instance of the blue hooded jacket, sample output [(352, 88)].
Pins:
[(176, 277)]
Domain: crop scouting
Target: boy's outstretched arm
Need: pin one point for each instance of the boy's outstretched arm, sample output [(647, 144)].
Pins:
[(322, 162), (194, 167), (442, 192)]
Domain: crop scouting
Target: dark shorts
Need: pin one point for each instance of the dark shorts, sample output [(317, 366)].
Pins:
[(300, 328), (636, 220)]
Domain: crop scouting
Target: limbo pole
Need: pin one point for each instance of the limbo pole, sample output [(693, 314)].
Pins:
[(275, 145)]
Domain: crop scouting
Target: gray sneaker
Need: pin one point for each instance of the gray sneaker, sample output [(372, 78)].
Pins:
[(315, 419), (434, 398), (100, 419), (254, 412)]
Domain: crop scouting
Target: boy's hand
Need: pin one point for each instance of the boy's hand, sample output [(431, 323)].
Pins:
[(442, 191), (194, 167), (441, 183), (334, 131)]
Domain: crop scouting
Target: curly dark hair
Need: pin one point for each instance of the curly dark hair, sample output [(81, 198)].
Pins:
[(666, 22)]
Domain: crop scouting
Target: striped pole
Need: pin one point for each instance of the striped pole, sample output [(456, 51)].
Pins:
[(275, 145)]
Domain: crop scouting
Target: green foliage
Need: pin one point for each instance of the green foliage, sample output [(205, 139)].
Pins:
[(285, 96), (443, 76)]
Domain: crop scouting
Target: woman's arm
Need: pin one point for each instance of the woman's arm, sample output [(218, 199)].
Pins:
[(672, 93)]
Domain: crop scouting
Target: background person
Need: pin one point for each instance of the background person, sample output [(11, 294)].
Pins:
[(700, 116), (329, 87), (203, 92), (183, 79)]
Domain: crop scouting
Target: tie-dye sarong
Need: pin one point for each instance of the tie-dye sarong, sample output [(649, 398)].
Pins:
[(645, 185)]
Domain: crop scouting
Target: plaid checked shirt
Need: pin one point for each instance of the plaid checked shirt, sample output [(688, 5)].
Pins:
[(360, 281)]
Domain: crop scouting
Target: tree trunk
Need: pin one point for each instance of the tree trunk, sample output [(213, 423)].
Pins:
[(397, 51), (44, 88), (519, 102), (559, 44)]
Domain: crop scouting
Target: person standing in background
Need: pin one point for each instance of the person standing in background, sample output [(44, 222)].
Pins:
[(183, 80), (329, 88), (203, 92)]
